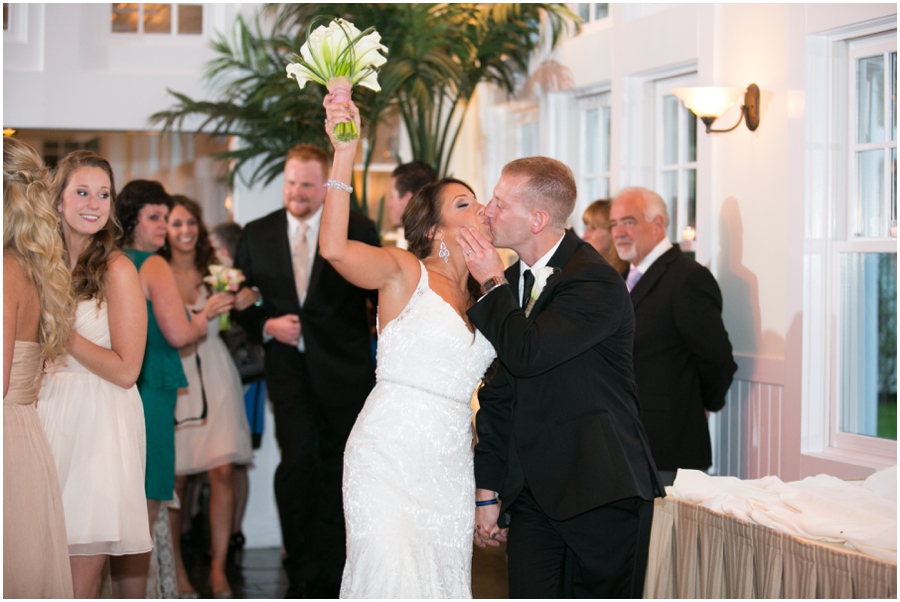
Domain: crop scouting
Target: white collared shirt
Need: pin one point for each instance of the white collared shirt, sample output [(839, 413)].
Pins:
[(664, 245), (545, 258)]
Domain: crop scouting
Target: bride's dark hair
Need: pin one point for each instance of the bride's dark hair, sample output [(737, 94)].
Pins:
[(423, 214)]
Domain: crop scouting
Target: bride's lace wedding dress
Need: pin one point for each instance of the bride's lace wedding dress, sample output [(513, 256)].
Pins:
[(409, 486)]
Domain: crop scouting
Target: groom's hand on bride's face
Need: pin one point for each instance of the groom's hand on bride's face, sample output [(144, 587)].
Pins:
[(482, 258)]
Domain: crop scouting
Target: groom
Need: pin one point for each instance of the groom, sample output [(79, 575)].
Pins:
[(562, 458)]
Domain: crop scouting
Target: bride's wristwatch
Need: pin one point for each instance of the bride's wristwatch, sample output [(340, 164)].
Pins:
[(489, 285)]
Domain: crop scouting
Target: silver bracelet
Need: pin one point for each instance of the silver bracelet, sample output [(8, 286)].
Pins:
[(339, 186)]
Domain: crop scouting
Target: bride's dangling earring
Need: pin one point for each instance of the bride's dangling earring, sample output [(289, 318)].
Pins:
[(444, 252)]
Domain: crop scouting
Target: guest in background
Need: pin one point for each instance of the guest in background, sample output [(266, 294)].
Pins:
[(406, 180), (37, 321), (142, 209), (682, 356), (598, 234), (224, 238), (217, 442), (319, 366), (88, 403)]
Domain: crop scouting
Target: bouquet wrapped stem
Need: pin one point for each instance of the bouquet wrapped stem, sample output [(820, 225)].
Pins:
[(339, 56), (340, 87)]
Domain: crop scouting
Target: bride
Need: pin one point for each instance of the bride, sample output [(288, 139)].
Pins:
[(409, 487)]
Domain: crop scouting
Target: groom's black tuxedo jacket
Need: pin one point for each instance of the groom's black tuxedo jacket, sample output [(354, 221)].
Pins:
[(561, 411), (334, 321)]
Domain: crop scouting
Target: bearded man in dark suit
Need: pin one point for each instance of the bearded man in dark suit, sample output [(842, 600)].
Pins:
[(682, 356), (319, 366), (560, 439)]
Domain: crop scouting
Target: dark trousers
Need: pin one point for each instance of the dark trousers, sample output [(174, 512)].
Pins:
[(599, 554), (308, 485)]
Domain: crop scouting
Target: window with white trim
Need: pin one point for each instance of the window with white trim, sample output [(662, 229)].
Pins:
[(676, 157), (172, 19), (865, 255), (591, 11), (594, 147), (850, 251)]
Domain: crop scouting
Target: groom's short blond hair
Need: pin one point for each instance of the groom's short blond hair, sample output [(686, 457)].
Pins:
[(550, 186)]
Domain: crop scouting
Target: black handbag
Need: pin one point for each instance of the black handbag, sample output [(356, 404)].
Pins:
[(248, 356)]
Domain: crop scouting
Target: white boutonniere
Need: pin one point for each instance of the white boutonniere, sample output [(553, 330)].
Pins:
[(541, 275)]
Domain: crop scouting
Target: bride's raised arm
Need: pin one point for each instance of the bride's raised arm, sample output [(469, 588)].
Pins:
[(362, 265)]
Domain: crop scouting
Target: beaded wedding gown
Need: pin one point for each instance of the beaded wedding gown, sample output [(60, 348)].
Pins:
[(409, 484)]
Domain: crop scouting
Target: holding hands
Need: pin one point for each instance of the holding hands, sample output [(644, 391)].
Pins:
[(487, 533)]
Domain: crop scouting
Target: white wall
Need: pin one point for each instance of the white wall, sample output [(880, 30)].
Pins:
[(66, 70)]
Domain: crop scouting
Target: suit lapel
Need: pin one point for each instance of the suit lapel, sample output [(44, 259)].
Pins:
[(317, 266), (656, 271), (284, 251), (563, 254)]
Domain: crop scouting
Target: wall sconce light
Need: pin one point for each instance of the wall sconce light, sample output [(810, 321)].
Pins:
[(8, 132), (710, 103)]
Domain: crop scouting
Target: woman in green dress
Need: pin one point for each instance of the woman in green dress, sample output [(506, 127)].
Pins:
[(143, 208)]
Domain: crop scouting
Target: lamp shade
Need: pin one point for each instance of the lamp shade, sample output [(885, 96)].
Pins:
[(708, 102)]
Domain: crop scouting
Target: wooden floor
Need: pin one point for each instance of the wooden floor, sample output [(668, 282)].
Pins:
[(258, 574)]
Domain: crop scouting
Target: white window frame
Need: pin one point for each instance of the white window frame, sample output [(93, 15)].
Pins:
[(526, 115), (173, 31), (663, 88), (600, 101), (17, 24), (831, 146)]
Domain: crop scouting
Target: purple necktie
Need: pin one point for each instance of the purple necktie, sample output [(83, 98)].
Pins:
[(633, 276)]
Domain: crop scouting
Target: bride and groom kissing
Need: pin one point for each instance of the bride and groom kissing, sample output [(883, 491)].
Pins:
[(562, 467)]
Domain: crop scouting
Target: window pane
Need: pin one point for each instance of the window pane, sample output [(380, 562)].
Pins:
[(894, 184), (591, 189), (601, 10), (692, 198), (869, 219), (893, 96), (592, 141), (584, 11), (870, 99), (528, 140), (670, 196), (869, 344), (158, 18), (603, 189), (607, 140), (691, 136), (670, 129), (190, 18), (124, 18)]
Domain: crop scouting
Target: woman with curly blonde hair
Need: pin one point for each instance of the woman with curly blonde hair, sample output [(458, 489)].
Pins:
[(88, 403), (37, 311)]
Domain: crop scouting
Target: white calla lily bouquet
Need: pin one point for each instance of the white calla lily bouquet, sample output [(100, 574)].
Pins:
[(339, 56)]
